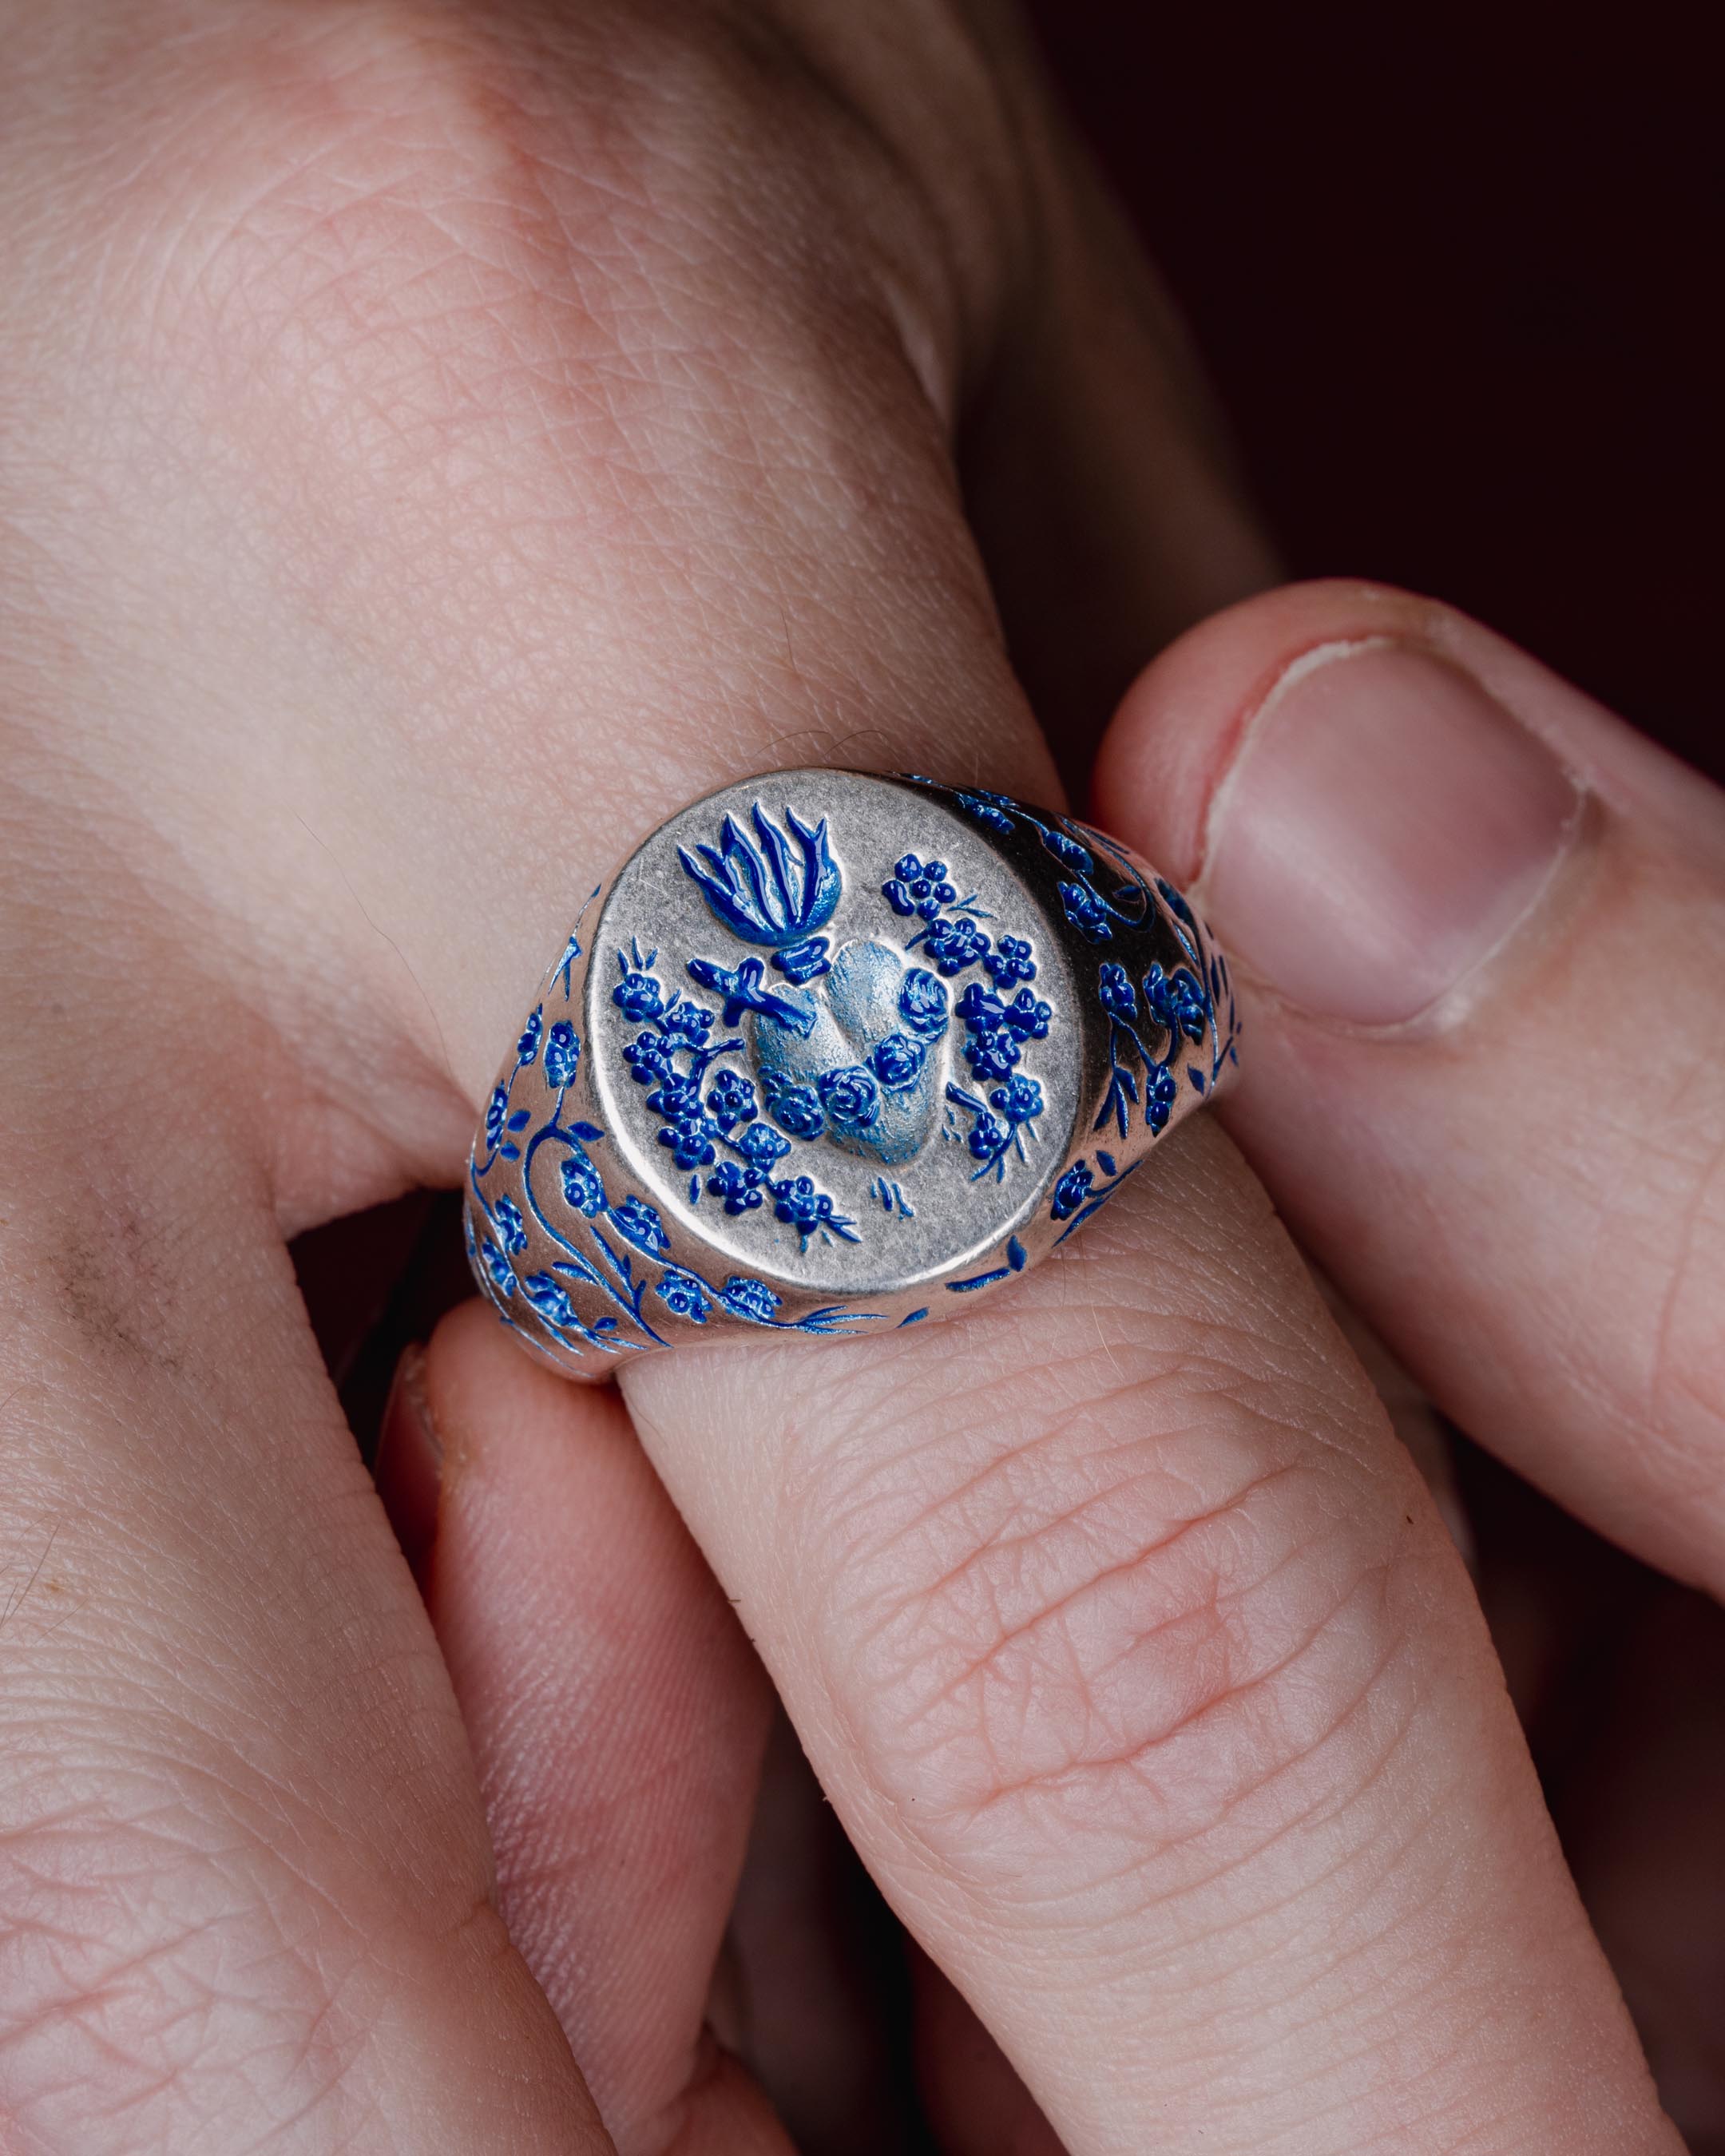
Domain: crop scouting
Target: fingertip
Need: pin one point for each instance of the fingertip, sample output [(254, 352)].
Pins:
[(1177, 730)]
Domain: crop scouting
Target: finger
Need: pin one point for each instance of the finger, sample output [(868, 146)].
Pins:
[(616, 1716), (1487, 923), (1131, 1650), (244, 1885)]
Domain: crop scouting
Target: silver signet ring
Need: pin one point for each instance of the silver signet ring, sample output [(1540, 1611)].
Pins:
[(831, 1052)]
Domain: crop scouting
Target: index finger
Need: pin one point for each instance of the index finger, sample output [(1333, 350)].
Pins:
[(1486, 921)]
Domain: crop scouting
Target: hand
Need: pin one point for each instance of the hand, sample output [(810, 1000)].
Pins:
[(438, 445)]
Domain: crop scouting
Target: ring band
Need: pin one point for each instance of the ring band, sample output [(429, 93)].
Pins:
[(833, 1052)]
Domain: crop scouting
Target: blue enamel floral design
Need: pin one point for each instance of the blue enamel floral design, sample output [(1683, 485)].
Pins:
[(954, 944), (732, 1100), (796, 1108), (511, 1228), (802, 963), (918, 888), (1086, 912), (497, 1265), (649, 1056), (922, 1002), (1071, 1190), (691, 1140), (989, 809), (1176, 1001), (749, 1298), (1079, 1193), (638, 996), (549, 1298), (1067, 850), (809, 1211), (638, 1223), (581, 1187), (1115, 991), (685, 1296), (738, 1188), (762, 892), (527, 1047), (850, 1098), (761, 1145), (1009, 961), (562, 1055), (897, 1062), (496, 1109)]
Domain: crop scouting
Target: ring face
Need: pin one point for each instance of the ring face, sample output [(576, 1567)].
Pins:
[(833, 1052)]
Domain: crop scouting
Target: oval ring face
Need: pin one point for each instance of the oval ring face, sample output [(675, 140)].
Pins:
[(832, 1051), (805, 998)]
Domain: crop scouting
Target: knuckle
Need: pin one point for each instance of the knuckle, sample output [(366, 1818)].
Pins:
[(1117, 1615)]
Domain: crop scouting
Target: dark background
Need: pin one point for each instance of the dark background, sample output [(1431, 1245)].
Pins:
[(1453, 272)]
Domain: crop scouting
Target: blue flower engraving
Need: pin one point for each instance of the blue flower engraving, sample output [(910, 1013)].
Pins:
[(749, 1298), (1085, 911), (639, 996), (955, 944), (649, 1056), (762, 892), (1160, 1094), (527, 1047), (809, 1211), (761, 1145), (688, 1022), (1176, 1001), (638, 1223), (922, 1003), (685, 1296), (690, 1139), (511, 1228), (851, 1097), (1115, 991), (796, 1108), (498, 1266), (1028, 1018), (675, 1096), (986, 808), (563, 1054), (1010, 961), (550, 1299), (496, 1110), (1067, 850), (993, 1053), (739, 1187), (898, 1062), (581, 1187), (992, 1138), (732, 1100), (1019, 1099), (1071, 1190), (918, 888)]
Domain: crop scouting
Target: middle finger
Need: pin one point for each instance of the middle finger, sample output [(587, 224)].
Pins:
[(1138, 1664)]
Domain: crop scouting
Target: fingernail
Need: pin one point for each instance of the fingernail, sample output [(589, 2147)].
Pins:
[(410, 1460), (1385, 827)]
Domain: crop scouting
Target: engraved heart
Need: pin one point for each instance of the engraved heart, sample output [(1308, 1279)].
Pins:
[(869, 1074)]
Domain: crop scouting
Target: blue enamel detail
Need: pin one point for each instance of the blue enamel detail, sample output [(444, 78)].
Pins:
[(762, 892)]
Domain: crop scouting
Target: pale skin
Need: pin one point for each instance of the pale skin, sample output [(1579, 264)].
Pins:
[(434, 445)]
